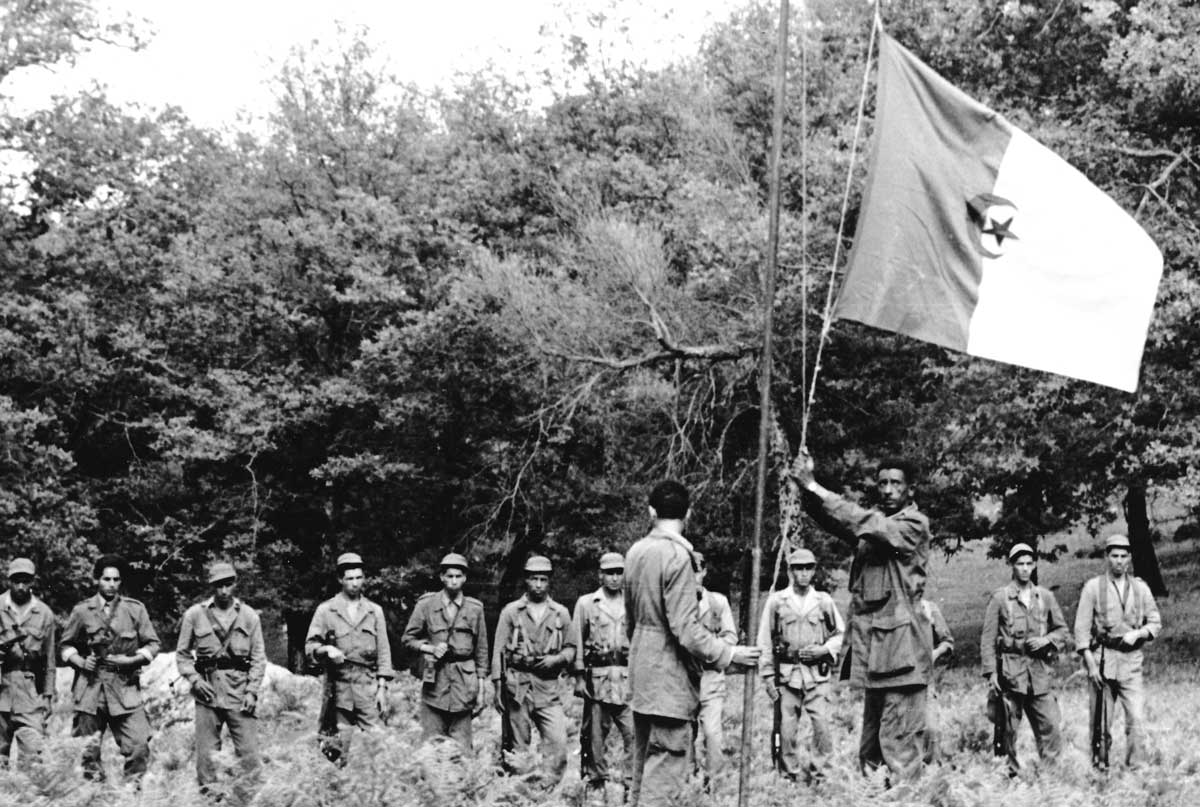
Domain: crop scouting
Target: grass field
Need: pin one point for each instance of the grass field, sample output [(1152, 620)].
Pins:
[(392, 768)]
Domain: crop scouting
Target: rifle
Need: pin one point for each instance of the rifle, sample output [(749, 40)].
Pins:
[(1101, 735), (327, 728), (777, 708), (999, 710)]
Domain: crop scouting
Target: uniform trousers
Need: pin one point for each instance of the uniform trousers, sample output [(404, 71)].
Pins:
[(519, 719), (794, 703), (243, 731), (131, 731), (662, 749), (1044, 719), (437, 722), (26, 731), (1130, 692), (599, 720), (893, 731)]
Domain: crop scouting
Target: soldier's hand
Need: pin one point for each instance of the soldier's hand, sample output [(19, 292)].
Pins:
[(1036, 643), (204, 691), (481, 698), (381, 699), (249, 704), (812, 653), (85, 663), (581, 686), (994, 682), (439, 650), (333, 654), (745, 655), (498, 698), (1094, 674), (804, 468), (1131, 637), (772, 689), (547, 663)]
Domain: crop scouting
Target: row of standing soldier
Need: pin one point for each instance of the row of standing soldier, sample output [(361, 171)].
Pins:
[(108, 637)]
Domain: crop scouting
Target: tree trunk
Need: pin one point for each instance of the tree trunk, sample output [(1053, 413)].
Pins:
[(1145, 561)]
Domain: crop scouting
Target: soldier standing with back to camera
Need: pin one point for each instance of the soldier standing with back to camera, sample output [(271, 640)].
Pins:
[(27, 665), (447, 628), (349, 634), (800, 636), (1117, 615), (602, 675), (108, 638), (222, 655), (535, 644), (1023, 628)]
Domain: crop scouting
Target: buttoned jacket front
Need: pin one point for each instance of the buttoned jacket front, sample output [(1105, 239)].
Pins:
[(364, 641), (451, 684), (128, 632), (199, 641)]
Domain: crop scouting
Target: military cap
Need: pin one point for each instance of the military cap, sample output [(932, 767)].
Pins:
[(221, 571), (1020, 549), (349, 560), (454, 560), (538, 563), (1117, 541), (611, 560), (801, 555), (20, 566)]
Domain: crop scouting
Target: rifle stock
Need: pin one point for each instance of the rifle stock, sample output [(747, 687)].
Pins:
[(1000, 713), (1101, 737)]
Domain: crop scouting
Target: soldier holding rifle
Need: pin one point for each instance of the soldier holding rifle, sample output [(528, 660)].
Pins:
[(1023, 629), (1116, 616), (222, 655), (602, 676), (447, 629), (800, 636), (108, 638), (535, 645), (27, 664), (349, 634)]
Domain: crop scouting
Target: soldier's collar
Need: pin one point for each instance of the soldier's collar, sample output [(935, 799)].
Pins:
[(211, 601), (672, 535), (98, 601), (446, 600)]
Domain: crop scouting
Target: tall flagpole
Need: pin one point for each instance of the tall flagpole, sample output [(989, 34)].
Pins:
[(764, 389)]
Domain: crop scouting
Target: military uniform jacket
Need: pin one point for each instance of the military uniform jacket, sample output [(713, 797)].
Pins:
[(1007, 623), (791, 622), (668, 644), (1104, 615), (604, 658), (889, 632), (519, 639), (364, 641), (232, 673), (451, 684), (128, 632), (24, 681)]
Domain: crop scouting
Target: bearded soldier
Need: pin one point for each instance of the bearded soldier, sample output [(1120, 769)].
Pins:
[(602, 674), (447, 628), (535, 646), (800, 636), (27, 665)]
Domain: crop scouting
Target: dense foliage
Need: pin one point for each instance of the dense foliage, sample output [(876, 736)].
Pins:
[(401, 322)]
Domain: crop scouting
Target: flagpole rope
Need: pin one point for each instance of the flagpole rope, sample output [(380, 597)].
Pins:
[(826, 321)]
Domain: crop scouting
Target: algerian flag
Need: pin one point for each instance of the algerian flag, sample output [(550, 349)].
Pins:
[(974, 236)]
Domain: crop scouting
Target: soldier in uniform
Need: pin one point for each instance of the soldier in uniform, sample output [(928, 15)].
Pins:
[(1023, 629), (447, 628), (800, 636), (535, 645), (668, 644), (27, 665), (348, 634), (717, 618), (602, 674), (107, 639), (221, 654), (1116, 616), (890, 656)]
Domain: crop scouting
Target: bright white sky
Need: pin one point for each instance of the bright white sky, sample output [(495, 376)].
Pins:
[(212, 58)]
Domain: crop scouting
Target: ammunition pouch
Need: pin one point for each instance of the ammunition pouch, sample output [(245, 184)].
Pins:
[(518, 662), (1016, 647), (614, 658)]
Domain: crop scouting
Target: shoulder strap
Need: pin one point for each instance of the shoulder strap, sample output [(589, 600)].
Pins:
[(1102, 584), (222, 634)]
